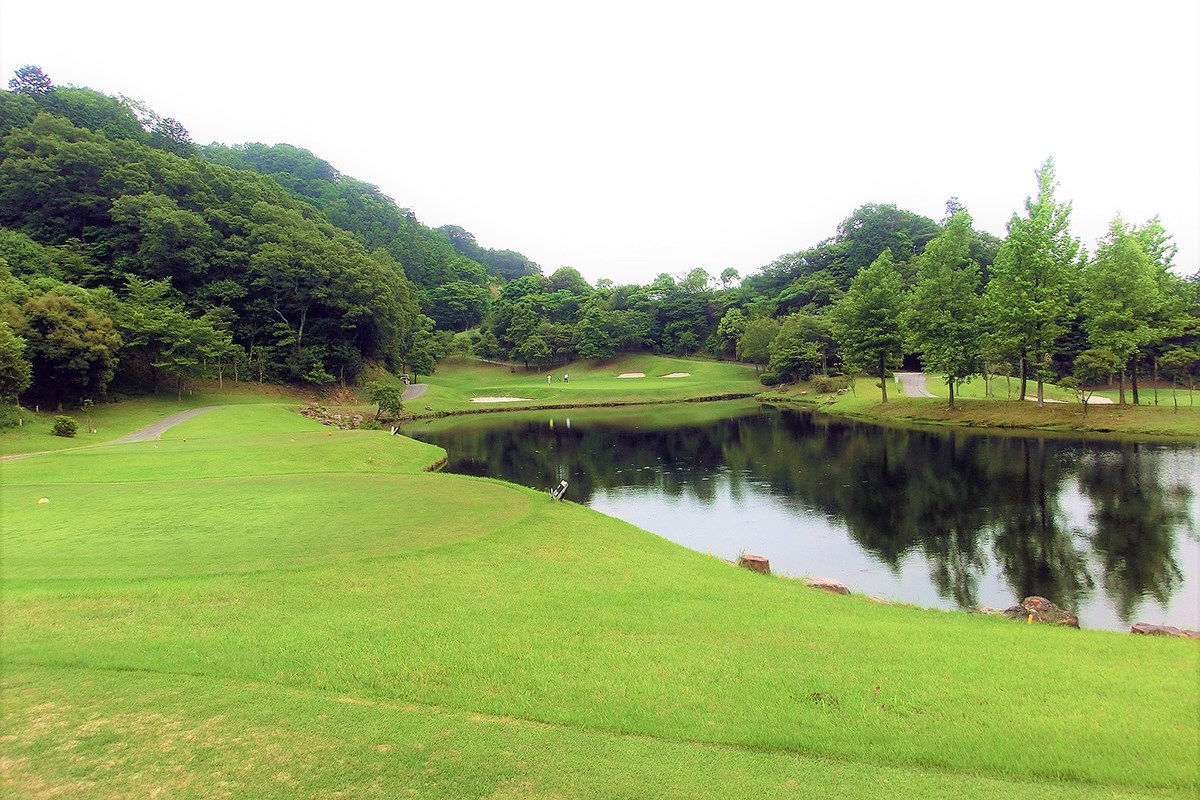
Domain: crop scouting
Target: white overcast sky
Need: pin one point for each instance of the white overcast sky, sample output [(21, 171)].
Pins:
[(630, 139)]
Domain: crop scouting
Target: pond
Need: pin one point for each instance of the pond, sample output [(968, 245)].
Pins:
[(940, 518)]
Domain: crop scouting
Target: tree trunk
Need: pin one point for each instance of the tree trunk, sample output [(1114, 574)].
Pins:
[(951, 393), (883, 378), (1133, 379), (1041, 387), (1121, 391), (1155, 359), (1024, 380)]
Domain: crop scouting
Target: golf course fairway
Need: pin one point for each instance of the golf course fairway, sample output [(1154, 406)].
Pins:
[(258, 606)]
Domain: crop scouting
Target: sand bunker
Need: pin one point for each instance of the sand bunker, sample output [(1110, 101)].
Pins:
[(1092, 401), (678, 375), (500, 399), (632, 375)]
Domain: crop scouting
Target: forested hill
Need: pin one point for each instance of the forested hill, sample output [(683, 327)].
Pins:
[(230, 249), (430, 257), (506, 264), (127, 253)]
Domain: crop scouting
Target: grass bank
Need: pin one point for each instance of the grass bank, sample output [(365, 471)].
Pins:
[(259, 606), (112, 420), (974, 410)]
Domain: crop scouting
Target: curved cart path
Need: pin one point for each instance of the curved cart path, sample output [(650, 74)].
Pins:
[(914, 384), (414, 391), (156, 429), (149, 433)]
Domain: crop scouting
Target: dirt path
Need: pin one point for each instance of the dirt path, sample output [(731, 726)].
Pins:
[(914, 384)]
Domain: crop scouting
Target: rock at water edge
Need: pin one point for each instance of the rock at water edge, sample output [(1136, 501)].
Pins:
[(1042, 610), (827, 585), (760, 564), (1147, 629)]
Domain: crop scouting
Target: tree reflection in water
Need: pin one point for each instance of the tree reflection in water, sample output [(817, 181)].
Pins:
[(959, 501), (1134, 517)]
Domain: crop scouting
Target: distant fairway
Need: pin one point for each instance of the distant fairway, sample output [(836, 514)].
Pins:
[(258, 606), (457, 381)]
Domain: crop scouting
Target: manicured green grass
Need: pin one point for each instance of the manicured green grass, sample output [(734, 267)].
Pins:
[(303, 612), (972, 410), (592, 383)]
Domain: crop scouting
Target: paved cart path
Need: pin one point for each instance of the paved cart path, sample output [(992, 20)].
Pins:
[(155, 430), (149, 433), (414, 391), (914, 384)]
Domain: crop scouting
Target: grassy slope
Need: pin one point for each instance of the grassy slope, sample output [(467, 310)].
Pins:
[(289, 610), (113, 420)]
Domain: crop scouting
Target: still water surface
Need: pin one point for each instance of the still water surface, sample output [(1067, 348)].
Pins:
[(1104, 528)]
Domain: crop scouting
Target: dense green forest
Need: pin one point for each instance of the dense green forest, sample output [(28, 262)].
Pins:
[(132, 258)]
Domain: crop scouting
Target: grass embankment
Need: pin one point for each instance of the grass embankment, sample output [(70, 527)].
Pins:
[(974, 410), (115, 419), (302, 612), (457, 381)]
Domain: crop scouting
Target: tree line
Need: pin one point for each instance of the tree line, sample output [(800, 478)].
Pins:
[(129, 255)]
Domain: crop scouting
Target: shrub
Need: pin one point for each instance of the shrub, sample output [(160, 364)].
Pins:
[(770, 379), (10, 416), (65, 426), (828, 384)]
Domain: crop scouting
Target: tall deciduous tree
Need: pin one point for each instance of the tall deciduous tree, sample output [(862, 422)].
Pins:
[(943, 317), (1120, 296), (72, 348), (1035, 270), (794, 352), (729, 330), (754, 345), (1175, 317), (866, 322)]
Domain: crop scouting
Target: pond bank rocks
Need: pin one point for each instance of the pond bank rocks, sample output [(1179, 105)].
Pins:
[(323, 415), (1146, 629), (759, 564), (827, 585), (1037, 609)]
